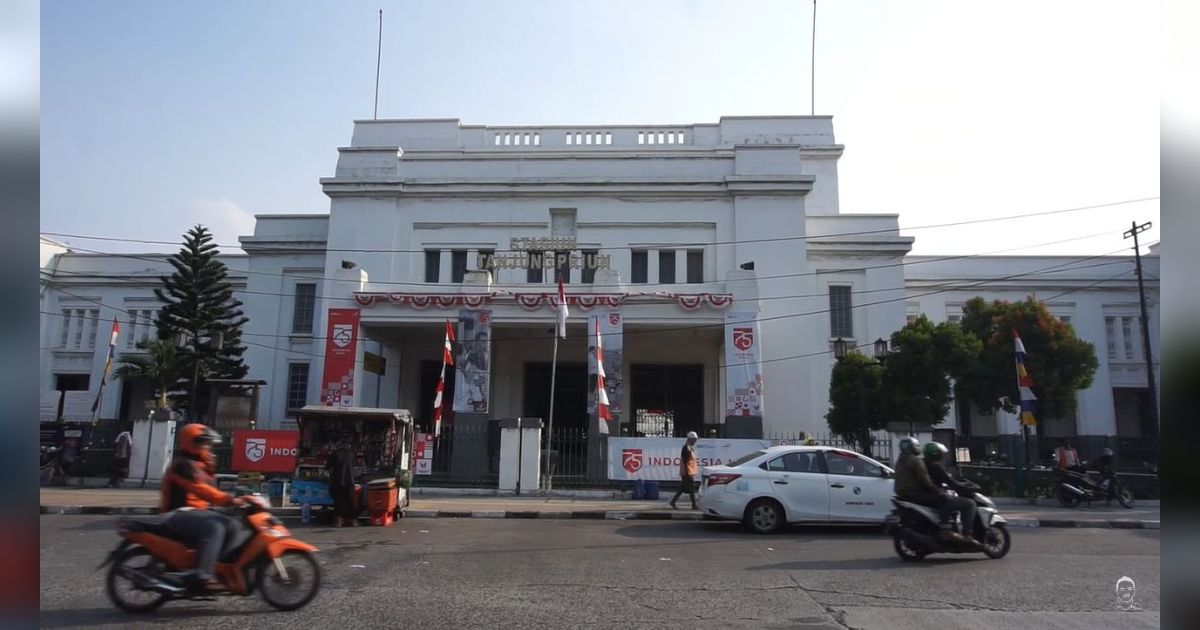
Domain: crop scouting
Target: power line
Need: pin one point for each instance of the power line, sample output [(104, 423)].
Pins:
[(806, 237), (901, 263)]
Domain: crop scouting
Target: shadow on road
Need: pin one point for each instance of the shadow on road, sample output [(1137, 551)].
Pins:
[(864, 564), (87, 617), (723, 531)]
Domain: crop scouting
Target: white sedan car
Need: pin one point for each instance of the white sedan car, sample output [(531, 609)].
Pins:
[(798, 484)]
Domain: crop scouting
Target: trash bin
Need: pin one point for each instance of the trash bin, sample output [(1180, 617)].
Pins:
[(382, 500), (651, 491), (277, 491)]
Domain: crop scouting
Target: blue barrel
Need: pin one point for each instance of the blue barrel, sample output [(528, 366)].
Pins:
[(652, 490), (277, 491), (639, 489)]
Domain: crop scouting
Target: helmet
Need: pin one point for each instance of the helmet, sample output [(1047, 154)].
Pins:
[(1106, 452), (935, 451), (910, 445), (198, 439), (691, 435)]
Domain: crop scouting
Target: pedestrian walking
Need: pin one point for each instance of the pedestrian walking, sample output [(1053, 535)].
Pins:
[(341, 484), (688, 469), (124, 450)]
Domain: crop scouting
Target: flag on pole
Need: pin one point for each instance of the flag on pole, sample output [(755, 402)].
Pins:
[(562, 310), (447, 359), (112, 348), (602, 410), (1024, 384)]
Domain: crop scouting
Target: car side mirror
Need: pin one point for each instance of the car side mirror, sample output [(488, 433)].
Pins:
[(887, 474)]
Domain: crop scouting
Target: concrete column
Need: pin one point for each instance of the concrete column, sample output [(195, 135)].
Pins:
[(652, 267)]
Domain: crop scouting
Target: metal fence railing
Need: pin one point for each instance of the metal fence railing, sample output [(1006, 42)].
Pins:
[(1129, 454)]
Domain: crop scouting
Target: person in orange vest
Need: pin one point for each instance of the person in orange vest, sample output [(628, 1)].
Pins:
[(688, 469), (1067, 457)]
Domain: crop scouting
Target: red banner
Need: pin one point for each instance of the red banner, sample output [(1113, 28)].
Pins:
[(341, 350), (265, 451)]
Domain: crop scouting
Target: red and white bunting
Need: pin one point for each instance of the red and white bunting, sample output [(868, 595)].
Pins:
[(602, 410), (447, 359)]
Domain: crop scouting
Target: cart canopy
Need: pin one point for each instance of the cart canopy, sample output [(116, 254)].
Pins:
[(319, 412)]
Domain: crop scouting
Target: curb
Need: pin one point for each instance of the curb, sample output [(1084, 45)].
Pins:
[(599, 515)]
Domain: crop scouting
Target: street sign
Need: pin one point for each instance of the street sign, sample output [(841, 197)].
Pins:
[(374, 363)]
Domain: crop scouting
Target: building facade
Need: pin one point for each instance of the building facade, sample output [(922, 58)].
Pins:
[(713, 257)]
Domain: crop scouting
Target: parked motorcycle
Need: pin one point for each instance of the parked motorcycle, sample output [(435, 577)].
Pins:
[(916, 529), (1072, 487), (147, 566)]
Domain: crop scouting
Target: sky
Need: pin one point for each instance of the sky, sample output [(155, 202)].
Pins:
[(157, 116)]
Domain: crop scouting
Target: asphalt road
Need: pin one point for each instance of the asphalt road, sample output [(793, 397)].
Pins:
[(458, 573)]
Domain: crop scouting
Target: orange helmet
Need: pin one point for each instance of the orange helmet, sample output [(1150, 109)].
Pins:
[(197, 439)]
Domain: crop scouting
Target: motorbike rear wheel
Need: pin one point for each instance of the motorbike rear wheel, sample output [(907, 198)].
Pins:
[(904, 548), (132, 570), (1067, 498), (302, 583)]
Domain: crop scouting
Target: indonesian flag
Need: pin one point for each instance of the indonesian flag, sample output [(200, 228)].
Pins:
[(562, 310), (1024, 383), (112, 349), (447, 359), (602, 410)]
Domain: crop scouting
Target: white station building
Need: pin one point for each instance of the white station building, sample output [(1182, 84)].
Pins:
[(713, 257)]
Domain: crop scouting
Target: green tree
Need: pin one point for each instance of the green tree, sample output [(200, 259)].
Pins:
[(1058, 362), (160, 366), (918, 371), (202, 316), (856, 399)]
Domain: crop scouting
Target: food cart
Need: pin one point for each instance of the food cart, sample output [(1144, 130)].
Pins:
[(382, 443)]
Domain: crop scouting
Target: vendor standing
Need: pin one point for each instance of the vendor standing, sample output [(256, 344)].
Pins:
[(341, 483)]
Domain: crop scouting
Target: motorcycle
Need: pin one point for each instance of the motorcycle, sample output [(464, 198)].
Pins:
[(1072, 487), (915, 530), (146, 567)]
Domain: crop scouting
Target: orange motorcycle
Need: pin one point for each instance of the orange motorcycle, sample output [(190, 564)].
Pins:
[(147, 565)]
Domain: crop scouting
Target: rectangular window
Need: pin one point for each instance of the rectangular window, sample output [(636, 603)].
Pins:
[(66, 326), (93, 325), (562, 267), (641, 267), (433, 265), (841, 322), (297, 389), (954, 319), (1110, 331), (666, 266), (150, 330), (458, 265), (535, 272), (1127, 333), (80, 322), (132, 333), (587, 275), (302, 310), (910, 318), (695, 266)]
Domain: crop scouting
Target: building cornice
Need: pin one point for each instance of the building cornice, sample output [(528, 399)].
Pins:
[(676, 187)]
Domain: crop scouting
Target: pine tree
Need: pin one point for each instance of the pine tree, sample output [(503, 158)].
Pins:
[(202, 316)]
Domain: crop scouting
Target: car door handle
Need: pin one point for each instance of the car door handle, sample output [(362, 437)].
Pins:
[(836, 485), (780, 482)]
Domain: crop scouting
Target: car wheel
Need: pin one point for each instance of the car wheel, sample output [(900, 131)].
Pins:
[(764, 516)]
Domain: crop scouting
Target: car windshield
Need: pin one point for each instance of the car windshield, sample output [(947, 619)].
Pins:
[(746, 458)]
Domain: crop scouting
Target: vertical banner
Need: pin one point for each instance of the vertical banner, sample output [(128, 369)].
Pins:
[(423, 454), (472, 365), (341, 351), (743, 366), (611, 330)]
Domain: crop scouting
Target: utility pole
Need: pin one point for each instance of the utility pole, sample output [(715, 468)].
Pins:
[(1137, 257), (812, 72)]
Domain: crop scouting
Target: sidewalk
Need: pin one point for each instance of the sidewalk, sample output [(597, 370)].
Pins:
[(132, 501)]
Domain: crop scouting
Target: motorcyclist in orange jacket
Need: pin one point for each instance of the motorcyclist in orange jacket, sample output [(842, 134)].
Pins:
[(188, 492)]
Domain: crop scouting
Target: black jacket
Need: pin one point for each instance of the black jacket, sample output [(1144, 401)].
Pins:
[(939, 475), (341, 468)]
